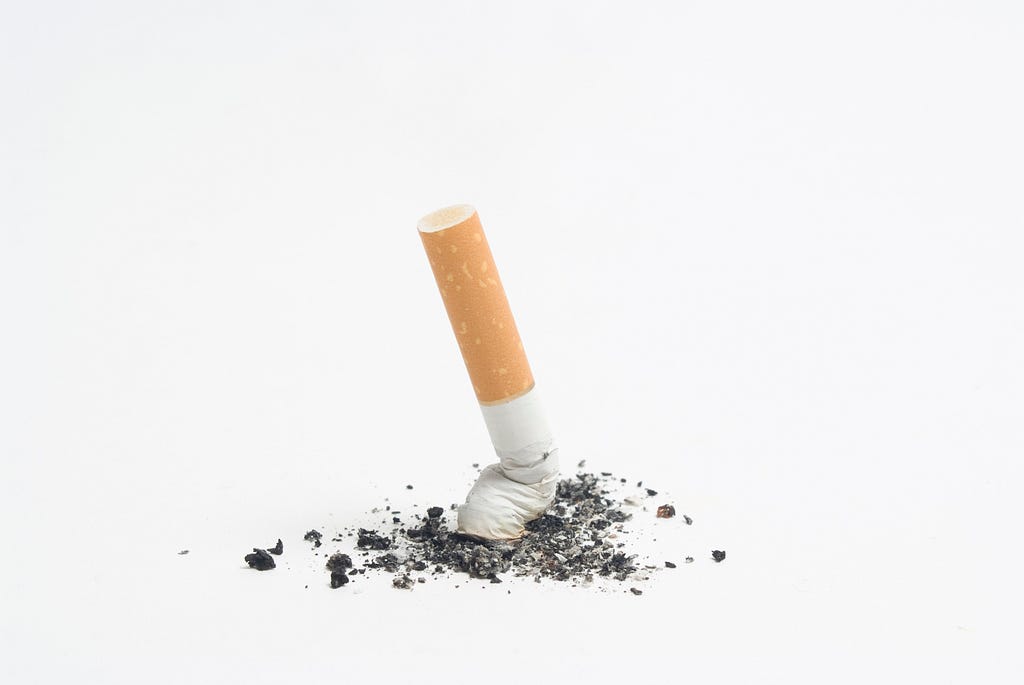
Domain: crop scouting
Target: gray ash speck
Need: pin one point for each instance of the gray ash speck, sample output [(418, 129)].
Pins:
[(651, 493), (389, 562), (688, 520), (313, 536), (402, 582), (718, 555), (669, 564), (434, 512), (689, 560), (278, 548), (635, 591)]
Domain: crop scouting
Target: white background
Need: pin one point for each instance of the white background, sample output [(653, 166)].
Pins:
[(764, 256)]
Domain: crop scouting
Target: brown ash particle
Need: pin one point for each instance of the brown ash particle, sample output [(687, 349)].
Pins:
[(339, 561), (183, 552), (669, 564), (666, 511), (689, 521), (651, 493), (689, 560), (635, 591), (718, 555), (313, 536), (260, 560), (278, 548), (338, 578)]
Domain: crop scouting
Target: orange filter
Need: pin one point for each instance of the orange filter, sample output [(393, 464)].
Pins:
[(477, 307)]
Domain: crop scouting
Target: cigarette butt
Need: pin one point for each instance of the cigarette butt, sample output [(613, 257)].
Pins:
[(522, 485), (476, 304)]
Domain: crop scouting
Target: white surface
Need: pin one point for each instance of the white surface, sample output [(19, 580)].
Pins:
[(522, 485), (789, 234)]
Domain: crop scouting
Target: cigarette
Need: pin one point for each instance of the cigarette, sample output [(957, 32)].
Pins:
[(521, 486)]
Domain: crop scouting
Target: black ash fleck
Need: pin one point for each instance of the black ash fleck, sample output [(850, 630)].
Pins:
[(688, 520), (338, 578), (339, 561), (260, 560), (718, 555), (313, 536), (278, 548), (369, 539)]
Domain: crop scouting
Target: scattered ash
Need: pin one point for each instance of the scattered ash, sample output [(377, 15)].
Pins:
[(260, 560), (278, 548), (582, 539), (577, 540), (718, 555)]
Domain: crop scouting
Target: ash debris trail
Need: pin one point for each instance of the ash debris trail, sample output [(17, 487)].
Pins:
[(582, 537), (577, 540)]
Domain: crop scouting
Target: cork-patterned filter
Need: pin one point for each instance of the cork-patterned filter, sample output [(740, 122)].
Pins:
[(475, 300)]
